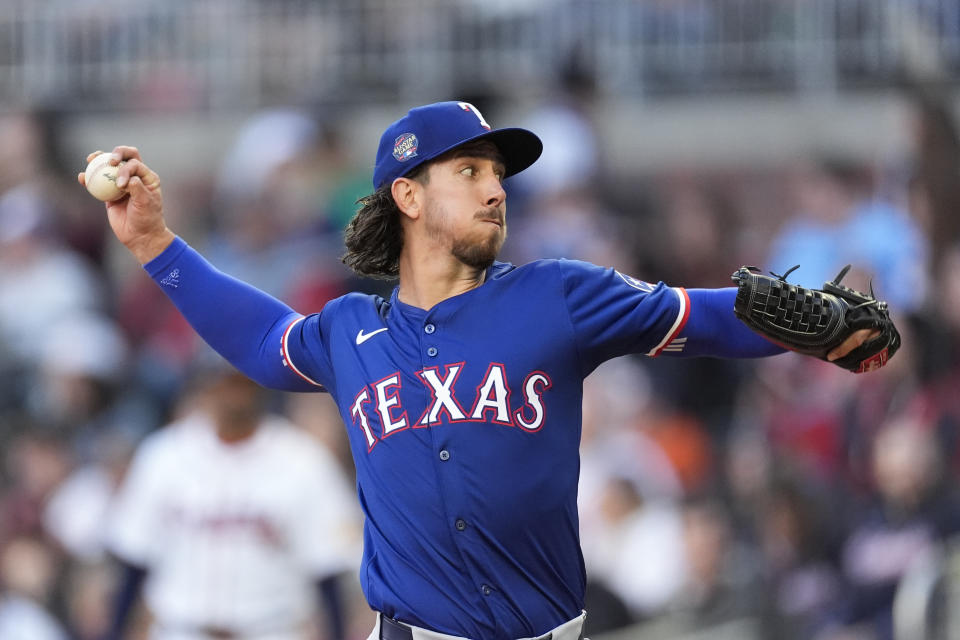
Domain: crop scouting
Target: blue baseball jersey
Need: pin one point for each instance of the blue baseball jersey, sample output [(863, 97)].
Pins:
[(464, 420)]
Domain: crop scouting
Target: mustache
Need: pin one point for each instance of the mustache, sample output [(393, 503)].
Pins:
[(490, 213)]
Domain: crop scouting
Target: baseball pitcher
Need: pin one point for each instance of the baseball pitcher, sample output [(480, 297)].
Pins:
[(461, 392)]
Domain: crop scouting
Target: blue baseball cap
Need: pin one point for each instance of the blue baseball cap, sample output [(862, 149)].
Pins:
[(431, 130)]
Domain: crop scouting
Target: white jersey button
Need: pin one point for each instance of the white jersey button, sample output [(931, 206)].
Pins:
[(429, 328)]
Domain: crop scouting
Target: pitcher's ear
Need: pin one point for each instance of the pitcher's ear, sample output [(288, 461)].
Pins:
[(408, 195)]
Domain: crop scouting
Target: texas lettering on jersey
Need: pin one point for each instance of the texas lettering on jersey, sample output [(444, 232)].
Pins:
[(490, 401)]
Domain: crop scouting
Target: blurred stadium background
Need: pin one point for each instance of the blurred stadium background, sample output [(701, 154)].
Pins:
[(683, 138)]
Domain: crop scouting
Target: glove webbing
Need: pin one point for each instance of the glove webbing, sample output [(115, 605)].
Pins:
[(797, 310), (793, 308)]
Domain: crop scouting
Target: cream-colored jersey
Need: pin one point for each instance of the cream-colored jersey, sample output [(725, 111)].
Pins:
[(234, 536)]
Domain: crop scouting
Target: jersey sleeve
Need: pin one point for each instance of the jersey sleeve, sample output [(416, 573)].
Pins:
[(243, 324), (614, 314)]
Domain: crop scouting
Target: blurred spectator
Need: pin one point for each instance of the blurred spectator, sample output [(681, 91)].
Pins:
[(690, 242), (34, 463), (937, 164), (238, 521), (639, 554), (555, 210), (799, 406), (915, 508), (626, 492), (87, 587), (268, 143), (897, 389), (747, 474), (802, 583), (694, 244), (28, 570), (571, 224), (270, 195), (838, 220), (563, 121), (82, 389), (614, 444), (940, 340), (686, 444), (82, 363), (41, 281), (22, 157), (77, 508), (721, 584)]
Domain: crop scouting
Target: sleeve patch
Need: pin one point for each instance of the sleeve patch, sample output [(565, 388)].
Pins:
[(636, 284)]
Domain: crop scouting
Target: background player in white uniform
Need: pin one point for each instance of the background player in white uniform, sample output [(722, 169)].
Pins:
[(239, 520)]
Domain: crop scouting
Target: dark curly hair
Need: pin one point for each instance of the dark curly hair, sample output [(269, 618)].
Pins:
[(374, 237)]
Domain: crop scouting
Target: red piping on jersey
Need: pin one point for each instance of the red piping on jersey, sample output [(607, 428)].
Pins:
[(285, 353), (682, 321)]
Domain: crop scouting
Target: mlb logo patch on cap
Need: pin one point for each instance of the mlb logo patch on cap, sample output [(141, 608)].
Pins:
[(431, 130)]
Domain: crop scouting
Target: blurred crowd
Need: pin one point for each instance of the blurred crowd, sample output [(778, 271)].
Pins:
[(785, 492), (221, 54)]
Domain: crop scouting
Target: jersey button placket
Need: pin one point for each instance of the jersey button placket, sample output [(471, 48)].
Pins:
[(430, 329), (444, 455)]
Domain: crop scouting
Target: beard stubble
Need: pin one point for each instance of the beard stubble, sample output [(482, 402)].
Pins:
[(475, 249)]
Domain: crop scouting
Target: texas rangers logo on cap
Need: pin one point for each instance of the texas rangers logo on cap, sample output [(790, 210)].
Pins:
[(405, 147)]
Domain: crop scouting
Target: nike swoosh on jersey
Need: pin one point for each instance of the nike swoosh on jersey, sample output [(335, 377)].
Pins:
[(362, 337)]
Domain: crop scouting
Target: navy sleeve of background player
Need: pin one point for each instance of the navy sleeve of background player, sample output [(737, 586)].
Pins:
[(331, 601), (125, 596), (243, 324)]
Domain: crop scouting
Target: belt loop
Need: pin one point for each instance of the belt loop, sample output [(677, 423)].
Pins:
[(392, 630)]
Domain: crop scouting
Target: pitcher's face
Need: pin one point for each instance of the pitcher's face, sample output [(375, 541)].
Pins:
[(465, 207)]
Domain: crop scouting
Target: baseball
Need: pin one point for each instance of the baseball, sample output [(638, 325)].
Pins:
[(101, 178)]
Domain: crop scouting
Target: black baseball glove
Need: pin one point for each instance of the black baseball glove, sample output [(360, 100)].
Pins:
[(815, 321)]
